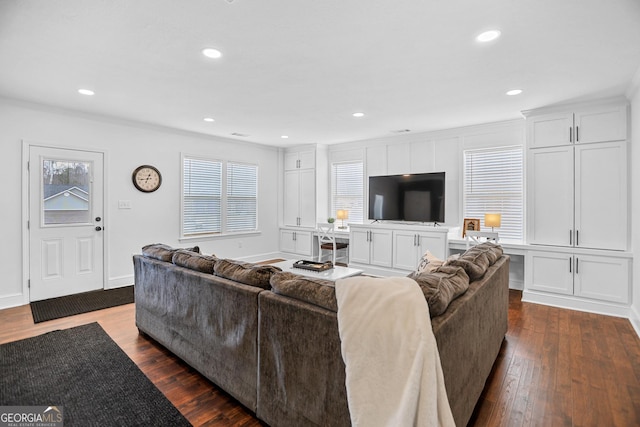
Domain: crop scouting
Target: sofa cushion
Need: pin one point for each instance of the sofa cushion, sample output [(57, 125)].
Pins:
[(477, 259), (163, 252), (194, 261), (245, 272), (313, 290), (441, 286)]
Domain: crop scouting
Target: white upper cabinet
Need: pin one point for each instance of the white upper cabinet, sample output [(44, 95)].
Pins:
[(600, 123), (299, 160)]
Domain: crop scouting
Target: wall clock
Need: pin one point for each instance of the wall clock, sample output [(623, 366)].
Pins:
[(146, 178)]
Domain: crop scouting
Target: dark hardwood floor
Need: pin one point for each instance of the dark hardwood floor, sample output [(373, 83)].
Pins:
[(556, 368)]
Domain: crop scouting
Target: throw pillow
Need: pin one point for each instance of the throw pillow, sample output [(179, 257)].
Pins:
[(428, 262), (318, 292), (245, 272), (441, 286), (194, 261), (163, 252), (477, 259)]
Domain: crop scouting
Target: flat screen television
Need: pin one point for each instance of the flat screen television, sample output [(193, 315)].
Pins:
[(416, 197)]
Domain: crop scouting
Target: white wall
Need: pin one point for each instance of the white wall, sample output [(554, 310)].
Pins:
[(635, 200), (431, 152), (154, 217)]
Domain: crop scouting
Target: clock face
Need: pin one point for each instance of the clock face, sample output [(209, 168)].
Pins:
[(146, 178)]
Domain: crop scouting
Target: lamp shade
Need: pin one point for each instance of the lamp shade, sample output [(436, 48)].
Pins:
[(342, 214), (492, 219)]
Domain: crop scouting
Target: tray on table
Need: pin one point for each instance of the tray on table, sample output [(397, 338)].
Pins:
[(313, 265)]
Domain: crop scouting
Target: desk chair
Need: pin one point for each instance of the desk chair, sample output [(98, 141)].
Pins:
[(476, 237), (327, 241)]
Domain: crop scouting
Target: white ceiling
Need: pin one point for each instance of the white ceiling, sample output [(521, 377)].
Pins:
[(302, 67)]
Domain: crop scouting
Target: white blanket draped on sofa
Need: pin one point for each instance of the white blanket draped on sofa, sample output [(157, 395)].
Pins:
[(393, 371)]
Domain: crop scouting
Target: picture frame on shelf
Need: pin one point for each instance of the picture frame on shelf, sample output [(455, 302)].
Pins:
[(470, 224)]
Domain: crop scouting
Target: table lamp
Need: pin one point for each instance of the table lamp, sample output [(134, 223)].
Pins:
[(342, 214), (492, 220)]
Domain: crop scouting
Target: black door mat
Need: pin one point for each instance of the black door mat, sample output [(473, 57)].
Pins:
[(71, 305)]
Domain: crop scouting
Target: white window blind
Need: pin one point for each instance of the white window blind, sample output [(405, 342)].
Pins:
[(202, 196), (242, 197), (493, 182), (347, 190)]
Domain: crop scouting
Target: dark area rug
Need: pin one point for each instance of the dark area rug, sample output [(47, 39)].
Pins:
[(71, 305), (83, 371)]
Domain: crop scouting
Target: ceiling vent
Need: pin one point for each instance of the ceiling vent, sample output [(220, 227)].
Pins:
[(401, 131), (241, 135)]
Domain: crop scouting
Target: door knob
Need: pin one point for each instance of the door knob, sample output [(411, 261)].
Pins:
[(98, 228)]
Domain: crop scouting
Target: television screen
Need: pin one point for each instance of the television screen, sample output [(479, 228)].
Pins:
[(416, 197)]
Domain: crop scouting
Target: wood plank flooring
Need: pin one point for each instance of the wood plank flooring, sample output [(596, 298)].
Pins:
[(556, 368)]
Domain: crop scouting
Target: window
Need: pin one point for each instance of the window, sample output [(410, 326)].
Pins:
[(206, 207), (493, 182), (242, 197), (347, 190)]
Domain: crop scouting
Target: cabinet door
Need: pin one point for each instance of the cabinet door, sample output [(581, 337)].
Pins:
[(287, 242), (602, 278), (550, 196), (359, 245), (436, 243), (549, 272), (398, 159), (405, 250), (381, 248), (550, 130), (290, 161), (291, 197), (601, 195), (608, 123), (304, 242), (307, 197), (307, 159), (377, 161)]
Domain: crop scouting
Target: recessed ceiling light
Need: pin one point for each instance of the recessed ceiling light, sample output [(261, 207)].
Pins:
[(208, 119), (487, 36), (514, 92), (211, 53), (87, 92), (358, 114), (284, 136)]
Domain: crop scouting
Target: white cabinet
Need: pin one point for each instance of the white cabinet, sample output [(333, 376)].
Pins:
[(395, 246), (299, 160), (300, 198), (370, 246), (577, 186), (600, 123), (296, 242), (409, 246), (598, 277)]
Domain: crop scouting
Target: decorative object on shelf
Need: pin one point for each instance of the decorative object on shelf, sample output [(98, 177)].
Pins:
[(331, 220), (342, 214), (477, 237), (492, 220), (313, 265), (146, 178), (470, 224)]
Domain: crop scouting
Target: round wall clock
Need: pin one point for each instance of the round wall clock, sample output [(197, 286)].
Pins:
[(146, 178)]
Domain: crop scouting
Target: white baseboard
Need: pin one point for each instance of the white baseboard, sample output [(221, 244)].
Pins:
[(634, 318), (13, 300), (571, 303)]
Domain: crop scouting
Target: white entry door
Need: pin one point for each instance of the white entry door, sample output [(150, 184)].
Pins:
[(65, 222)]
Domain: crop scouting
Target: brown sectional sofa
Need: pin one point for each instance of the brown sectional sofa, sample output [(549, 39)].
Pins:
[(277, 350)]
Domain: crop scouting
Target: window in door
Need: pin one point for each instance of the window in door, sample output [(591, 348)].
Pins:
[(65, 192)]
